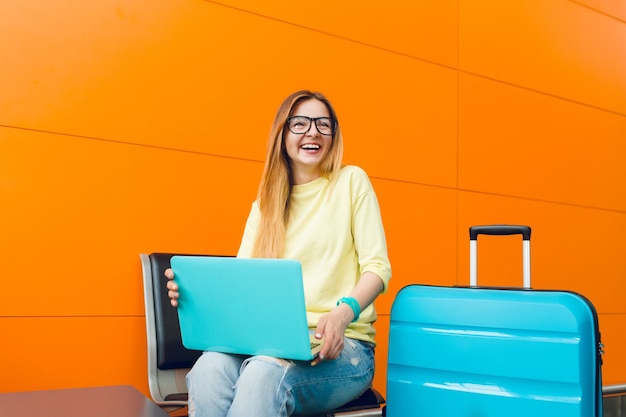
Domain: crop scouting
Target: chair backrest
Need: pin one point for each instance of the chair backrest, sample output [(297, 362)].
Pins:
[(168, 360)]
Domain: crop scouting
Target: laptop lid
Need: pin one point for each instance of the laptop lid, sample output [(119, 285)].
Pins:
[(245, 306)]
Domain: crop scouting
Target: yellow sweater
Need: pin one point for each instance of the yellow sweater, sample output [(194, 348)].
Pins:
[(337, 235)]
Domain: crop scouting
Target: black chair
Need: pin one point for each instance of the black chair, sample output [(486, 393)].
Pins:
[(169, 361)]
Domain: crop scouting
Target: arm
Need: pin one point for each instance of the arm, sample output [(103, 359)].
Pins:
[(371, 249), (365, 292), (333, 324)]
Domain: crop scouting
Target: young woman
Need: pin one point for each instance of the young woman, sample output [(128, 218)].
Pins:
[(311, 208)]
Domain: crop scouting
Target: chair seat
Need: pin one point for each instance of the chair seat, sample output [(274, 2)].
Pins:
[(370, 399), (183, 396)]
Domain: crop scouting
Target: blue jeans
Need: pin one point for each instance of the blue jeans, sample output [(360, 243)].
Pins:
[(226, 385)]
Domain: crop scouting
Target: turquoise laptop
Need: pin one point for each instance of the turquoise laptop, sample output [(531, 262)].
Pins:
[(243, 306)]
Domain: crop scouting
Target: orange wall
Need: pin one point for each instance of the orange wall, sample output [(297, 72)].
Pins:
[(130, 126)]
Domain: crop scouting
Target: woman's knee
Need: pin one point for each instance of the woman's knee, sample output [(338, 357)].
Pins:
[(211, 365), (264, 370)]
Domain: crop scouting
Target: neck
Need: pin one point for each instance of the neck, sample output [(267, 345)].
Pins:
[(303, 177)]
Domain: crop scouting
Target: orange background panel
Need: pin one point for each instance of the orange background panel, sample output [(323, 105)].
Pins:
[(65, 55), (65, 352), (538, 146), (73, 240), (186, 102), (424, 29), (612, 8), (392, 139), (418, 221), (558, 47)]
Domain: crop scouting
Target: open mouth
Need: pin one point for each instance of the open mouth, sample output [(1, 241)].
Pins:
[(310, 147)]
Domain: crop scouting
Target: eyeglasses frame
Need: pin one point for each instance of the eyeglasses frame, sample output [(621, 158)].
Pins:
[(313, 121)]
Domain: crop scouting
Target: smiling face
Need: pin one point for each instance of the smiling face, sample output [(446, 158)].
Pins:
[(307, 150)]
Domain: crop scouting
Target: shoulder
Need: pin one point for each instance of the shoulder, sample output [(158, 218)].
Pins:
[(355, 176), (354, 173), (353, 181)]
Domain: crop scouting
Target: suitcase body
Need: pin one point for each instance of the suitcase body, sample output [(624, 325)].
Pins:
[(487, 352)]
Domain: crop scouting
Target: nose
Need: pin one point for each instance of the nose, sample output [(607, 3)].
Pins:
[(313, 130)]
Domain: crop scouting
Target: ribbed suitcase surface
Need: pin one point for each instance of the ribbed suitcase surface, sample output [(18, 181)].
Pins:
[(486, 352)]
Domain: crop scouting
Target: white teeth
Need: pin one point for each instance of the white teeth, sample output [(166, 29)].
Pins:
[(310, 146)]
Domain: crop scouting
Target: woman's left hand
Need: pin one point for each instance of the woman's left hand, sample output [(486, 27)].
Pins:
[(332, 326)]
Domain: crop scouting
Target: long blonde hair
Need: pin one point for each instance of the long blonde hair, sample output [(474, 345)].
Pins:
[(277, 180)]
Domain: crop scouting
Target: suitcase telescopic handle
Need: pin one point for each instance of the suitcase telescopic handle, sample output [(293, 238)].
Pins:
[(500, 230)]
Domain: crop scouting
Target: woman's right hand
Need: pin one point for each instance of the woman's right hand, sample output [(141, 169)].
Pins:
[(172, 287)]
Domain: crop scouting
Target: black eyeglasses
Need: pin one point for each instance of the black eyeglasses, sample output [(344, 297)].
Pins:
[(302, 124)]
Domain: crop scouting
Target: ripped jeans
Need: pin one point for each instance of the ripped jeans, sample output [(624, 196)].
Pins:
[(226, 385)]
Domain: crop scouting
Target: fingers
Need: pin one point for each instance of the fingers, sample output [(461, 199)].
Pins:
[(322, 355), (173, 295), (334, 348), (319, 334), (332, 330), (172, 287), (331, 349)]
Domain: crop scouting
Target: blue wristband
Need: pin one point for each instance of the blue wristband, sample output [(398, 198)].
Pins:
[(353, 304)]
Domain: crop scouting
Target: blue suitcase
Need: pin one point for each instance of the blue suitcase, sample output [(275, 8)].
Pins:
[(493, 352)]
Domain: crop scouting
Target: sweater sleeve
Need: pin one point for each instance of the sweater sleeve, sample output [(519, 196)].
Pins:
[(367, 227)]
